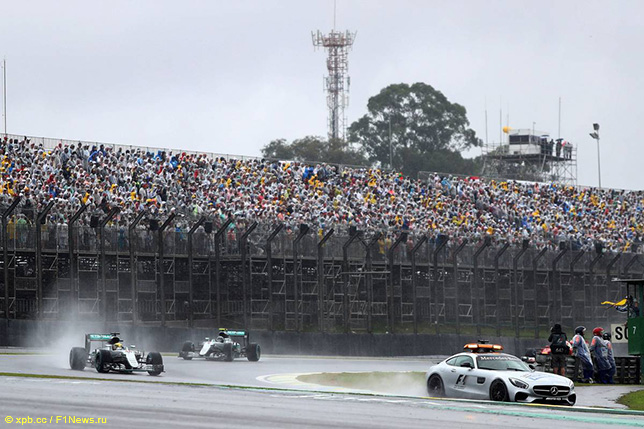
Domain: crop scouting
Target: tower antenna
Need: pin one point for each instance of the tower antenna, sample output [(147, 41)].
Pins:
[(4, 93), (336, 84)]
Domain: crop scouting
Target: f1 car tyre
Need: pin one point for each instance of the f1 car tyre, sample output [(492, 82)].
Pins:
[(498, 391), (228, 352), (77, 358), (435, 386), (103, 359), (155, 358), (186, 349), (253, 352)]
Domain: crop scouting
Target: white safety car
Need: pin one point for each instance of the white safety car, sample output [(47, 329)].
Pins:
[(497, 377)]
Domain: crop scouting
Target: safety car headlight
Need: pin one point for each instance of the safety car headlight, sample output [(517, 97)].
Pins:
[(518, 383)]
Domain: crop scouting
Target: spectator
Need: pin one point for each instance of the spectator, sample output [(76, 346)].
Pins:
[(559, 349), (323, 196), (599, 350), (580, 350), (611, 358)]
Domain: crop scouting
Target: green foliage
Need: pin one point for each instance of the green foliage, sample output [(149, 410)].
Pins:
[(418, 127), (313, 148), (633, 400)]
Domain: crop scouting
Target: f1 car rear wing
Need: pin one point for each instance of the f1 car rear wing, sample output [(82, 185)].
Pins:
[(103, 338), (242, 334)]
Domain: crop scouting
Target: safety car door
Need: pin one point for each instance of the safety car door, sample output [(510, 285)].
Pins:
[(449, 376), (458, 375), (477, 382)]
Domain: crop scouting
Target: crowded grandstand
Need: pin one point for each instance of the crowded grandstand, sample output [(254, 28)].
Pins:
[(320, 195)]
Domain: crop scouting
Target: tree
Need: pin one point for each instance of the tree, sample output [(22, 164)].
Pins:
[(417, 126), (315, 149)]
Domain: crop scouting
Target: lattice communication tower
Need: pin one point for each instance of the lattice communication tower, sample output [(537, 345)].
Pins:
[(336, 84)]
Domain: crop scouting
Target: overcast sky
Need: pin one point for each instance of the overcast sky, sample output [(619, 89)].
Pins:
[(230, 76)]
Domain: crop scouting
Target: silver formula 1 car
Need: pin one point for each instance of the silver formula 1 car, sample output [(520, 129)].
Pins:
[(106, 352), (223, 347), (498, 377)]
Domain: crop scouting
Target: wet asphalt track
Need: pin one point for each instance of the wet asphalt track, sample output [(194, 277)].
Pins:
[(163, 405)]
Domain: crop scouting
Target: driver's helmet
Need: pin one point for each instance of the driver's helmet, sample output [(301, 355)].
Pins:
[(117, 346), (219, 339)]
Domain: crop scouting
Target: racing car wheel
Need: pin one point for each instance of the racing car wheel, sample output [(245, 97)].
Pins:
[(102, 361)]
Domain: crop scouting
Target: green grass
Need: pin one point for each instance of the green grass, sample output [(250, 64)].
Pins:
[(386, 382), (633, 400)]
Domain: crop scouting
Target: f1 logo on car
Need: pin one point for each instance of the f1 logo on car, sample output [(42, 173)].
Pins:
[(460, 382)]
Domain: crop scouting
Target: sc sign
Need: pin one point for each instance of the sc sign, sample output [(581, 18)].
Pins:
[(619, 333)]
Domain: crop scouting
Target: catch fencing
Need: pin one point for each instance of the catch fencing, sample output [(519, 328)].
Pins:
[(277, 277)]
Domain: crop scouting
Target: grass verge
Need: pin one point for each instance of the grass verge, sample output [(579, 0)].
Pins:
[(633, 400)]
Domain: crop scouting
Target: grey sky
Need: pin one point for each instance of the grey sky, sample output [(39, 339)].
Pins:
[(229, 76)]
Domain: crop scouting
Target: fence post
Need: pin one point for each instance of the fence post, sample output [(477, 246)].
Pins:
[(161, 271), (487, 241), (40, 219), (535, 261), (5, 253), (434, 293), (609, 268), (243, 243), (369, 278), (191, 294), (345, 275), (218, 236), (101, 231), (414, 283), (321, 284), (391, 313), (73, 265), (593, 285), (628, 265), (455, 278), (269, 274), (555, 287), (304, 229), (133, 280), (515, 268), (496, 285)]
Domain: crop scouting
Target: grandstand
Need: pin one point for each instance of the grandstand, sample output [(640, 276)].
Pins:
[(154, 235)]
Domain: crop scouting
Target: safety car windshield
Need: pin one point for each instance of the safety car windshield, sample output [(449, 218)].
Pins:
[(501, 363)]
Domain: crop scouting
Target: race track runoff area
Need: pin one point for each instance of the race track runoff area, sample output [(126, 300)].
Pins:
[(267, 393)]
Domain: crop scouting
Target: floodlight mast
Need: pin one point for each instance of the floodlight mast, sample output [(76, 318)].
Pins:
[(336, 84)]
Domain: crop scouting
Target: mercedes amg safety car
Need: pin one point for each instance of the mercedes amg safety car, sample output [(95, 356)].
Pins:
[(106, 352), (497, 377), (222, 347)]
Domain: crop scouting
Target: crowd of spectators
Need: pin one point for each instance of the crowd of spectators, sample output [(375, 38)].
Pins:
[(321, 196)]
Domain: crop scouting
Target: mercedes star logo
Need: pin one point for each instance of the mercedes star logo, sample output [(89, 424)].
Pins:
[(554, 390)]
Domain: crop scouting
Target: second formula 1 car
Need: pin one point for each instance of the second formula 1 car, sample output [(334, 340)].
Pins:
[(223, 347)]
